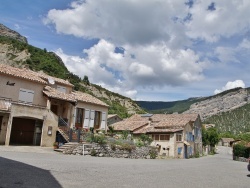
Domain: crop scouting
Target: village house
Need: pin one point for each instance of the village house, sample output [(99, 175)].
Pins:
[(113, 118), (35, 107), (225, 142), (175, 135)]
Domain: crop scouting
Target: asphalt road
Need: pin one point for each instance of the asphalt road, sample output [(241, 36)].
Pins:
[(49, 169)]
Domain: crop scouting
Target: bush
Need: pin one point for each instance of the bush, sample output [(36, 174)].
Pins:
[(125, 134), (128, 147), (197, 155), (140, 144), (153, 153), (240, 150), (147, 140), (93, 152), (96, 138)]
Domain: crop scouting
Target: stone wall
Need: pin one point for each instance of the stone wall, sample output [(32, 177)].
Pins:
[(107, 151)]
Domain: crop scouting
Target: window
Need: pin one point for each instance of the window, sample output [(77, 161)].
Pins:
[(161, 137), (179, 150), (61, 89), (26, 95), (178, 137), (79, 115), (97, 120)]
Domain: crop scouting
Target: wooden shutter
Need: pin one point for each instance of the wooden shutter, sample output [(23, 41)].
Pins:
[(92, 118), (86, 118), (103, 122)]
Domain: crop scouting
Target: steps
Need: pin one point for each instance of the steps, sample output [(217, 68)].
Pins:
[(66, 146)]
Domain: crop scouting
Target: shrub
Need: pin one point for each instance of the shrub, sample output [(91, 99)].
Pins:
[(96, 138), (147, 140), (240, 150), (93, 152), (128, 147), (153, 153), (197, 155), (125, 134), (140, 144)]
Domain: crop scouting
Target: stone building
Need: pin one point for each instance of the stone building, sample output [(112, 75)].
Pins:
[(176, 135)]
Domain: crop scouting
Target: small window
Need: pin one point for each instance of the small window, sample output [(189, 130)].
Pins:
[(156, 137), (61, 89), (178, 137)]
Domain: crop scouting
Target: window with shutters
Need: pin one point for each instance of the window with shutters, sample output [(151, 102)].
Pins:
[(26, 96)]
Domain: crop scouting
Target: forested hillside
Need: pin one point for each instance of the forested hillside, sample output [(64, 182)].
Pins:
[(235, 121)]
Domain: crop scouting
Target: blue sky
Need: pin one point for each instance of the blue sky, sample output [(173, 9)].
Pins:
[(147, 50)]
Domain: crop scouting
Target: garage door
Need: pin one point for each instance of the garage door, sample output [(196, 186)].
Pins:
[(22, 132)]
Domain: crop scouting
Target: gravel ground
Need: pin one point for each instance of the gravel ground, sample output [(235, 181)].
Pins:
[(44, 168)]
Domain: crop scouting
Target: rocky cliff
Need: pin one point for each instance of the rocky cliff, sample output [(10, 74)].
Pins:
[(223, 102), (5, 31)]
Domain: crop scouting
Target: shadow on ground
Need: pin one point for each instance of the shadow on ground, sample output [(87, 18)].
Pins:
[(17, 174)]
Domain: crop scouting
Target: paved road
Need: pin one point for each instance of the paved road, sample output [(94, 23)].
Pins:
[(48, 169)]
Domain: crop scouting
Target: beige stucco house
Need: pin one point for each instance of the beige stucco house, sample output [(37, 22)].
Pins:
[(34, 107), (175, 135)]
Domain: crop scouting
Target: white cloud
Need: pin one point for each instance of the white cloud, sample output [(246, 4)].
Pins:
[(122, 22), (160, 41), (151, 66), (231, 85), (228, 19)]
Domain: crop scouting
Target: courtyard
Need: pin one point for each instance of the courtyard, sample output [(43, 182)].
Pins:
[(42, 167)]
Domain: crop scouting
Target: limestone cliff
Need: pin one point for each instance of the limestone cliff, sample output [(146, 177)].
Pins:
[(223, 102)]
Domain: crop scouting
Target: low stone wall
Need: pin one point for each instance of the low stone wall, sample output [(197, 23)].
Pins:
[(107, 151)]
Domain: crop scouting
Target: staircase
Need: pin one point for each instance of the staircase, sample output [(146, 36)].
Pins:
[(66, 146)]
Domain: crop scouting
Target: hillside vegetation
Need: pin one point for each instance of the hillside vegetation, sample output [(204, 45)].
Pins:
[(39, 59), (235, 121), (158, 107)]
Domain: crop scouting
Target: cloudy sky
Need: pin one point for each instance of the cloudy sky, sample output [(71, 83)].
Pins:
[(156, 50)]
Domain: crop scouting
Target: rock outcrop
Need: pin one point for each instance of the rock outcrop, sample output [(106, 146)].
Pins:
[(5, 31), (220, 103)]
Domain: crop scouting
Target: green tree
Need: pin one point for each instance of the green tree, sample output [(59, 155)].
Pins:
[(213, 136), (86, 80), (205, 140), (210, 136)]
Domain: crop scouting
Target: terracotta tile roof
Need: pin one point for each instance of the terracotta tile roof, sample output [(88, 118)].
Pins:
[(84, 97), (165, 117), (58, 80), (151, 129), (21, 73), (129, 125), (156, 123), (227, 139), (53, 93)]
